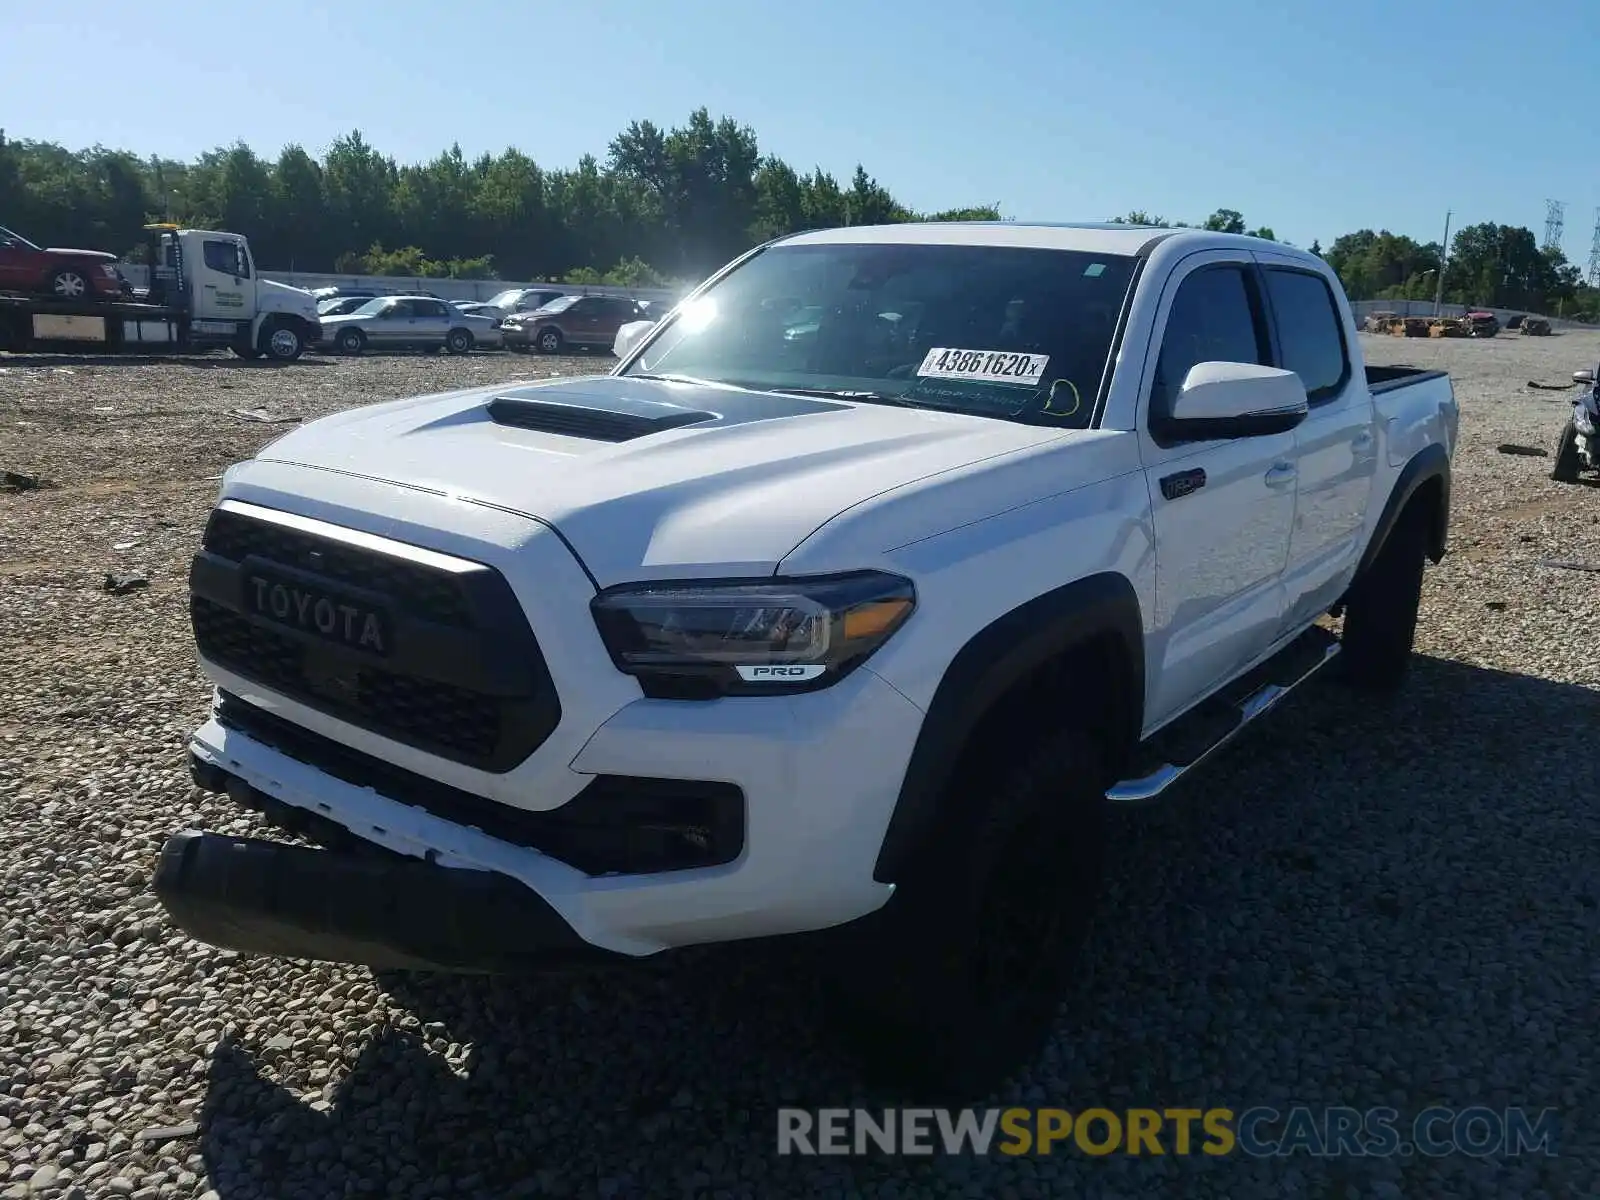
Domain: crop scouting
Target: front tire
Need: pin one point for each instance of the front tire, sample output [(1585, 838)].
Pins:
[(1380, 617), (1566, 465), (282, 342), (458, 341), (955, 984), (550, 341), (351, 341), (70, 283)]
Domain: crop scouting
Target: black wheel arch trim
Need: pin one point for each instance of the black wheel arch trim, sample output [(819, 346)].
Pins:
[(982, 671), (1429, 463)]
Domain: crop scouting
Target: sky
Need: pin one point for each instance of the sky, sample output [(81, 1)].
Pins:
[(1311, 117)]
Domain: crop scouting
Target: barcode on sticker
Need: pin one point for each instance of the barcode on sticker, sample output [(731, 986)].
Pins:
[(983, 366)]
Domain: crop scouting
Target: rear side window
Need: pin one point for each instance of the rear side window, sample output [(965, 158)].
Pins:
[(1310, 334), (1215, 317)]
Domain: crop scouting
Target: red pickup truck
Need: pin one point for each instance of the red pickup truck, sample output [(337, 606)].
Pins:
[(66, 274)]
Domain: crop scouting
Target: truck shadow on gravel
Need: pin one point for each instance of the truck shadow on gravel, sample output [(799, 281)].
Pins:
[(1314, 921)]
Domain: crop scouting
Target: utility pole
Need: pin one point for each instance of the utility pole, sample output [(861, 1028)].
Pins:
[(1444, 253)]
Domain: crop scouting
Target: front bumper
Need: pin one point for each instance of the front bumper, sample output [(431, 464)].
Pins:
[(385, 912)]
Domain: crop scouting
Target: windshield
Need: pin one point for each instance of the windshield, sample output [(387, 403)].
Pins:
[(559, 304), (999, 331), (12, 235), (376, 305), (506, 298)]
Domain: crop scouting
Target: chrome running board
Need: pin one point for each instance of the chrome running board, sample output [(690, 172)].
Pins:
[(1151, 782)]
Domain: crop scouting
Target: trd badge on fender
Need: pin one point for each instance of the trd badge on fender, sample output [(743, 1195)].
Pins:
[(313, 611)]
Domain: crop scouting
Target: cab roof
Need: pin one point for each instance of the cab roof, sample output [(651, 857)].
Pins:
[(1106, 237)]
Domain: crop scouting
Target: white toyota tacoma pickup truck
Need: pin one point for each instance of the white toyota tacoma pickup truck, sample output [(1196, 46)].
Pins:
[(846, 604)]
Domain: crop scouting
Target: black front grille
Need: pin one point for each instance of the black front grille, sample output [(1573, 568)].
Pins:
[(465, 678), (421, 712), (429, 593)]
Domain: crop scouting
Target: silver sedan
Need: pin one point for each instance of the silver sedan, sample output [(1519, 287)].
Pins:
[(407, 322)]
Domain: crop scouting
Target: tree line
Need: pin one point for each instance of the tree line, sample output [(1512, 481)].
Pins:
[(665, 205)]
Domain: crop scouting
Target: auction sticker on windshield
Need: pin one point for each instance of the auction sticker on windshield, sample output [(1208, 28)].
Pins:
[(983, 366)]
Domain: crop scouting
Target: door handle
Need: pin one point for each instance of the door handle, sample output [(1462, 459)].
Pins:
[(1281, 475)]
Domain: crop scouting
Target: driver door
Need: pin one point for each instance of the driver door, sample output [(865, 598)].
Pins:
[(1223, 509), (223, 287)]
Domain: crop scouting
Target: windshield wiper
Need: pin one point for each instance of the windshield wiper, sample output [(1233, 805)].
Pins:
[(863, 397), (674, 377)]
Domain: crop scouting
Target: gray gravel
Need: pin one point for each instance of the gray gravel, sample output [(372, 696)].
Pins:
[(1366, 906)]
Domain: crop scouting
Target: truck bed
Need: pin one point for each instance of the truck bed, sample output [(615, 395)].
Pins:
[(1387, 379), (134, 309)]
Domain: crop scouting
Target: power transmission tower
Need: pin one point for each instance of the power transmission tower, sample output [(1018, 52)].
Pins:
[(1554, 223), (1594, 253)]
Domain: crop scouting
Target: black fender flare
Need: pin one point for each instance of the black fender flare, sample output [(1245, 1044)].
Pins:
[(995, 659), (1429, 463)]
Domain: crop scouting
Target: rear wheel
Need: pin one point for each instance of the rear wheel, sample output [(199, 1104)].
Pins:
[(351, 341), (1566, 465), (458, 341), (955, 984), (1380, 618)]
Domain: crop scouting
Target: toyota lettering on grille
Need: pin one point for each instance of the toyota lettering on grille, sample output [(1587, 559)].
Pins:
[(324, 614)]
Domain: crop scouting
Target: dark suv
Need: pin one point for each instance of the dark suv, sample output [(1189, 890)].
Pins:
[(571, 322)]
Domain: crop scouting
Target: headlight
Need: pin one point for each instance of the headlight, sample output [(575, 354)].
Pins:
[(743, 638)]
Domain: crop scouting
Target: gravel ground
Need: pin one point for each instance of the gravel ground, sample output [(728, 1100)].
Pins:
[(1367, 907)]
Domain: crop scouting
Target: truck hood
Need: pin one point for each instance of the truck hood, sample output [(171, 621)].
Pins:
[(94, 255), (280, 297), (647, 478)]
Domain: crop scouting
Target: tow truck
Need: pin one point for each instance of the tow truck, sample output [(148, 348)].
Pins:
[(205, 293)]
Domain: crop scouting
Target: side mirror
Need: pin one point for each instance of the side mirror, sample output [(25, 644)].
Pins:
[(1583, 377), (629, 337), (1234, 400)]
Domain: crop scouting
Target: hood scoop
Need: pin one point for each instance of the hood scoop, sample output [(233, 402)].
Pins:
[(616, 419)]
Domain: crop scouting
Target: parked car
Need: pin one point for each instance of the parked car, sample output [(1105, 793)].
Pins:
[(571, 323), (407, 323), (480, 308), (338, 306), (516, 300), (336, 293), (1483, 324), (743, 640), (54, 271)]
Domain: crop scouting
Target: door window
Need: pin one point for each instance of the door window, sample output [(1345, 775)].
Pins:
[(1215, 317), (224, 257), (1310, 333)]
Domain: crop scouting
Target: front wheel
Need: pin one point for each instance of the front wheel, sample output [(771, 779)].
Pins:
[(954, 985), (351, 341), (70, 283), (458, 341), (550, 341), (1566, 465), (283, 343)]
